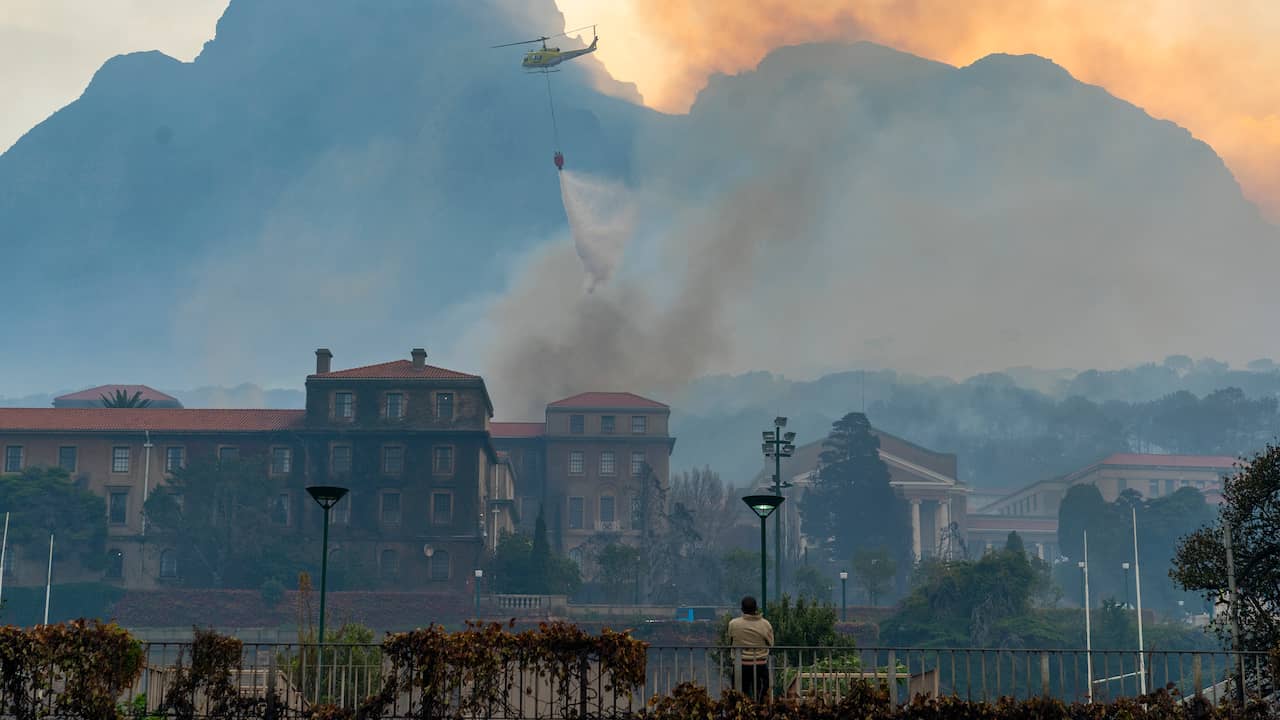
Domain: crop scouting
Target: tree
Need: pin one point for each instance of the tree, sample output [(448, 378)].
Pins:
[(873, 571), (1251, 507), (812, 583), (44, 500), (221, 520), (851, 504), (122, 399), (741, 575), (619, 570), (526, 566)]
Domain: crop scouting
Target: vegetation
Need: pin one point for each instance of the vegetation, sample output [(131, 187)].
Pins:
[(1161, 522), (851, 505), (1251, 507), (526, 566), (122, 399), (46, 500), (218, 518), (873, 571)]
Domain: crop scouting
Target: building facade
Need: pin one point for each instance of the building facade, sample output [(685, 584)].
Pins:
[(596, 466), (428, 492)]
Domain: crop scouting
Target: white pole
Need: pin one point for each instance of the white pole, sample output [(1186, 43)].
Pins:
[(4, 553), (48, 583), (146, 477), (1088, 629), (1137, 576)]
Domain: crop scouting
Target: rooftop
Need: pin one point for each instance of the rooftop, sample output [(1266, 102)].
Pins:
[(595, 400), (1187, 461), (148, 419), (93, 396), (396, 370)]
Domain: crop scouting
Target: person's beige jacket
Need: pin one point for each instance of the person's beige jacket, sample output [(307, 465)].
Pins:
[(755, 635)]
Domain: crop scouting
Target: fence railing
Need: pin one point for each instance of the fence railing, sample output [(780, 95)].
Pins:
[(286, 680)]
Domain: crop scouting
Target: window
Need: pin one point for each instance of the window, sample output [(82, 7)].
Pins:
[(281, 461), (606, 509), (608, 463), (1168, 487), (228, 455), (639, 424), (442, 459), (67, 458), (392, 459), (1153, 489), (389, 563), (444, 406), (168, 564), (344, 406), (390, 511), (395, 406), (13, 458), (341, 512), (440, 569), (441, 508), (606, 425), (637, 514), (576, 462), (120, 460), (115, 564), (577, 424), (118, 507), (175, 458), (340, 462), (637, 463), (280, 509), (575, 513)]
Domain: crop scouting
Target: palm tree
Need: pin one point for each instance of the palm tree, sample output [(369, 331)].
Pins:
[(123, 399)]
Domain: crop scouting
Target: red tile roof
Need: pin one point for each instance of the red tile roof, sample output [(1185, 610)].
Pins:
[(155, 420), (397, 370), (608, 400), (96, 393), (1188, 461), (516, 429)]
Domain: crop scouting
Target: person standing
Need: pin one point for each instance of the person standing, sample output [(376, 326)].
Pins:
[(754, 635)]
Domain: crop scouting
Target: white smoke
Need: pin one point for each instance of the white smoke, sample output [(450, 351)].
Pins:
[(602, 219)]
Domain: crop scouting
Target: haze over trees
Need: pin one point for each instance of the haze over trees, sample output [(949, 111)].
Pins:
[(45, 500)]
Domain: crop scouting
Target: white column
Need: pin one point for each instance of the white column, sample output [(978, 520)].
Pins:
[(915, 529)]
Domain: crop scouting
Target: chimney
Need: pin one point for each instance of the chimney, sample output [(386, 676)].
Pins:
[(419, 358), (323, 358)]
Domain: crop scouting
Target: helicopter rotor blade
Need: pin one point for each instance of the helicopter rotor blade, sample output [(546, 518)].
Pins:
[(522, 42)]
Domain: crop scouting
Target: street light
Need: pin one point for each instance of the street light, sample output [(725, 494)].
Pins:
[(1125, 566), (763, 506), (1088, 630), (844, 604), (327, 496), (778, 445), (479, 574)]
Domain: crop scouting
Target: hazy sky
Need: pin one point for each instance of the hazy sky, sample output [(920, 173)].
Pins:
[(1207, 65)]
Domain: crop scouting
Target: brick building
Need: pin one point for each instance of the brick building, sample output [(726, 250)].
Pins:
[(593, 465), (428, 490)]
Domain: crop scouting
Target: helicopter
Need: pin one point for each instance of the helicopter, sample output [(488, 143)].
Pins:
[(546, 58)]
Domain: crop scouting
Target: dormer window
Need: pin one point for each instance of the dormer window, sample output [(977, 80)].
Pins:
[(395, 406), (344, 406)]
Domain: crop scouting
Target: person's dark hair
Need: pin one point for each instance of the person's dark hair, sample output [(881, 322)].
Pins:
[(749, 605)]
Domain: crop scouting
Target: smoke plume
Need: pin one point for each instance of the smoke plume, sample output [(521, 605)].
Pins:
[(1190, 62)]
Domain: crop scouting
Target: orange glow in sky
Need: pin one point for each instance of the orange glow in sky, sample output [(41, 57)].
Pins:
[(1209, 66)]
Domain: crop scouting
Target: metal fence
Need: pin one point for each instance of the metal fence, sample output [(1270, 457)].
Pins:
[(286, 680)]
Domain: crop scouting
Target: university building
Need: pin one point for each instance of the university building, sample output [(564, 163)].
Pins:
[(433, 482)]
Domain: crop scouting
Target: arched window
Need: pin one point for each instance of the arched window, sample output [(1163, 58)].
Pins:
[(168, 564), (389, 563), (115, 564), (440, 569)]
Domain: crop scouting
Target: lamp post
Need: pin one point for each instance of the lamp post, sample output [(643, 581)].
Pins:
[(479, 574), (327, 496), (763, 506), (778, 445), (844, 603), (1088, 631), (1125, 566)]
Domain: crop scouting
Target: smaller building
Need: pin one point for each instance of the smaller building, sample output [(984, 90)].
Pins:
[(92, 398)]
